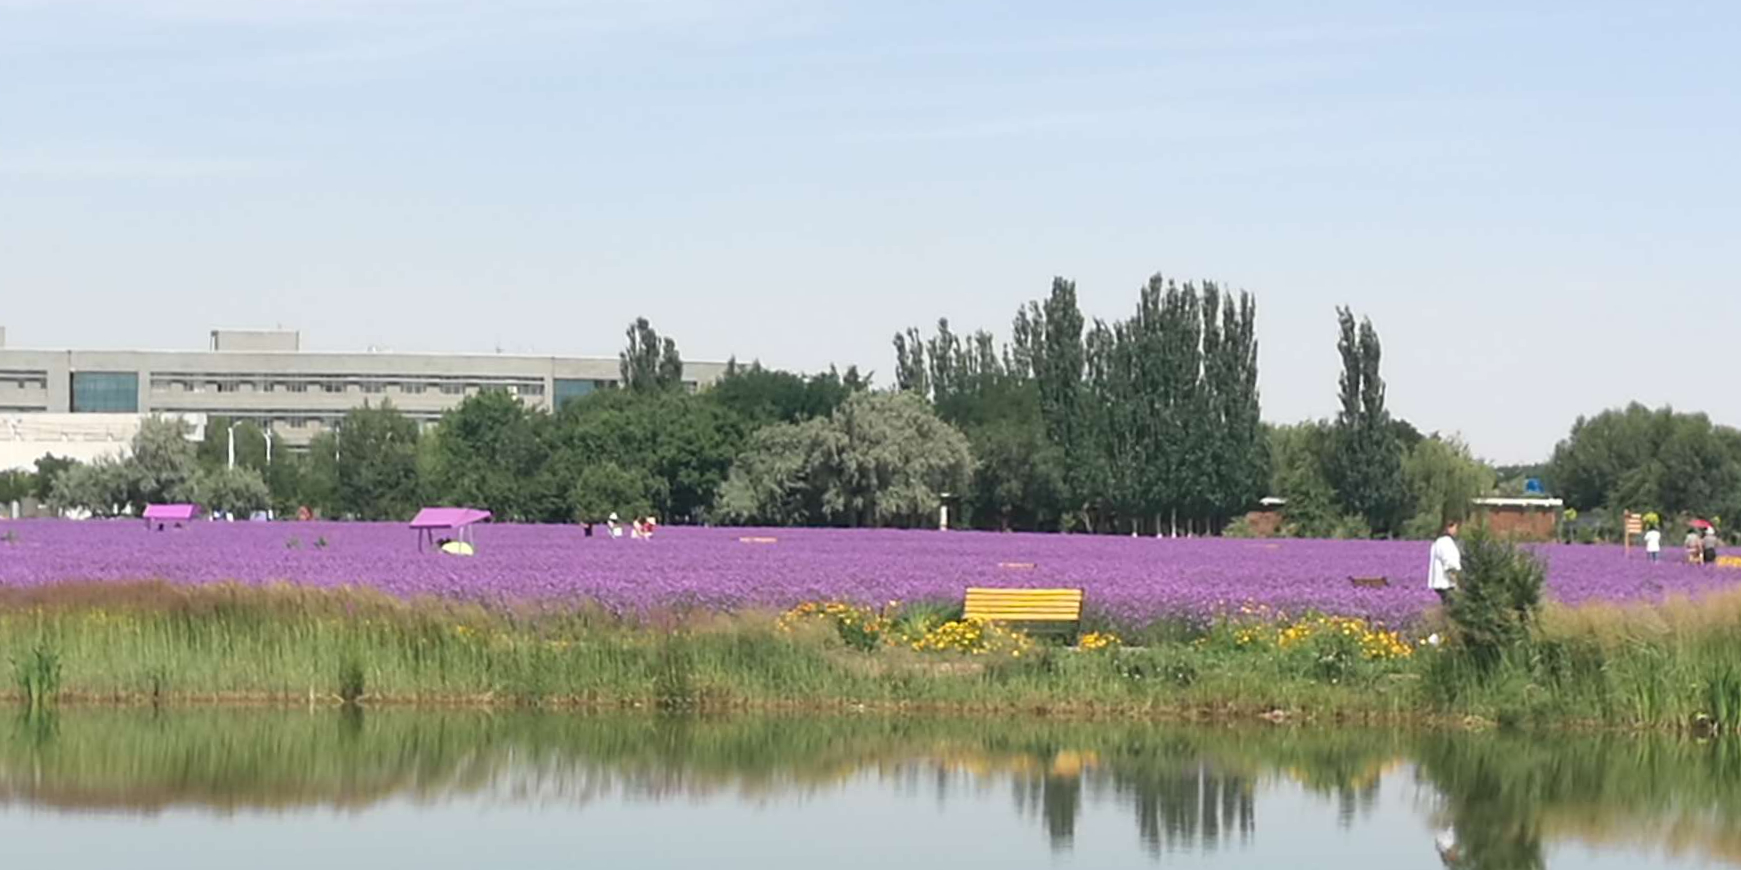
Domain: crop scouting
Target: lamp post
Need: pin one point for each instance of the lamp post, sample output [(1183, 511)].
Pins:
[(231, 431)]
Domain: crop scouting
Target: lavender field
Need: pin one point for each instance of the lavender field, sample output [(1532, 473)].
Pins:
[(1127, 579)]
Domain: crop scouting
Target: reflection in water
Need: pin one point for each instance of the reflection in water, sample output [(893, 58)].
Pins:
[(1499, 799)]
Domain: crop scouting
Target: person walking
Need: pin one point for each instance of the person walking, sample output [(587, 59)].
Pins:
[(1445, 564), (1710, 545), (1653, 544)]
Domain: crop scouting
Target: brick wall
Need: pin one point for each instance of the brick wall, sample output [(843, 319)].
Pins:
[(1518, 523), (1264, 524)]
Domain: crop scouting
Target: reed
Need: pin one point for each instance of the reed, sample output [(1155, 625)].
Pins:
[(1662, 666)]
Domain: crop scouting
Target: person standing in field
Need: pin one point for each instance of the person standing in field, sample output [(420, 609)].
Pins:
[(1694, 548), (1653, 544), (1445, 564), (1710, 545)]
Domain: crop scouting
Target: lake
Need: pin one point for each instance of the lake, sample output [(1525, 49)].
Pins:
[(262, 788)]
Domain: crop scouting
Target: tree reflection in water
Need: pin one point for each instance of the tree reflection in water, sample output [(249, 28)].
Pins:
[(1189, 790)]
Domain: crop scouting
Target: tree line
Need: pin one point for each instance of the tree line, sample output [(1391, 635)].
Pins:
[(1150, 423)]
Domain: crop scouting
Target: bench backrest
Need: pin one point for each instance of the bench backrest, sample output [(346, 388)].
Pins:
[(1057, 606)]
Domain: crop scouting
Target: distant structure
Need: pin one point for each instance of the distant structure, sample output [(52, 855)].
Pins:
[(25, 438), (1521, 519), (265, 377)]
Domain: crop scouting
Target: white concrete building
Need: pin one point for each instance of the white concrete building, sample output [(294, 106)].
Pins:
[(265, 376)]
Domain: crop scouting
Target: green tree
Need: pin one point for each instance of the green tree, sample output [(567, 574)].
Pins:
[(1498, 594), (605, 488), (15, 485), (1242, 466), (162, 464), (1367, 471), (1301, 456), (48, 468), (911, 374), (492, 452), (374, 466), (882, 459), (759, 396), (648, 362), (1056, 356), (1639, 459), (213, 450), (104, 487), (237, 491), (683, 442), (781, 475), (1442, 477)]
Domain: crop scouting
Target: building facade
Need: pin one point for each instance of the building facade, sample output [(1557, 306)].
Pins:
[(265, 377)]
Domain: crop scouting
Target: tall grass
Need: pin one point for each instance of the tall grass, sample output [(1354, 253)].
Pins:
[(1669, 665)]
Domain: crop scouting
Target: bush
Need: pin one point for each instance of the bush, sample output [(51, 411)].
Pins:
[(1497, 597)]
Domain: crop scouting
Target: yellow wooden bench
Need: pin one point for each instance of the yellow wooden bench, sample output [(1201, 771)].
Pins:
[(1046, 610)]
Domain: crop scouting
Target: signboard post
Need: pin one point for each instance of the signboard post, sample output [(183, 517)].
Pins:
[(1634, 526)]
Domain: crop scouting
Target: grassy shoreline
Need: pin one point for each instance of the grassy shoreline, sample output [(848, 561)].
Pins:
[(1672, 665)]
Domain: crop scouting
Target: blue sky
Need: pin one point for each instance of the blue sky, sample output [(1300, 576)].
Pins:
[(1536, 203)]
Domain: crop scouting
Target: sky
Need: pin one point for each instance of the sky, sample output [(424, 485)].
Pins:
[(1536, 203)]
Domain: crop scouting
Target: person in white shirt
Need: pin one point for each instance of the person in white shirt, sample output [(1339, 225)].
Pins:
[(1653, 544), (1446, 564)]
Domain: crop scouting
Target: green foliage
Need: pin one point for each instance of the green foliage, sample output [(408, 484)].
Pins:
[(880, 459), (681, 444), (104, 487), (649, 363), (1442, 477), (759, 396), (351, 679), (37, 673), (48, 469), (1129, 425), (1497, 596), (214, 450), (492, 452), (15, 485), (1302, 455), (1637, 458), (1366, 465), (374, 464), (237, 491), (605, 488), (163, 462)]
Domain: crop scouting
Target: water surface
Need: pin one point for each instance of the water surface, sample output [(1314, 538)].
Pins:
[(274, 788)]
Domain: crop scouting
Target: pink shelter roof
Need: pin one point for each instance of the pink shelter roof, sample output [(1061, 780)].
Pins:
[(447, 517), (171, 511)]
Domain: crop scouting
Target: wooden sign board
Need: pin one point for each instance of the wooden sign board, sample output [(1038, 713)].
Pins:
[(1369, 582)]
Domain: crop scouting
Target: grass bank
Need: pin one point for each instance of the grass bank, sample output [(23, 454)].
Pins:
[(1672, 665)]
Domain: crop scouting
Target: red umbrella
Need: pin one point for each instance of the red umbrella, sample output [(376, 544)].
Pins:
[(1700, 524)]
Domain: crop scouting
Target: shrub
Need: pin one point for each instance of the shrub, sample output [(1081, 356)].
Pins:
[(1498, 594)]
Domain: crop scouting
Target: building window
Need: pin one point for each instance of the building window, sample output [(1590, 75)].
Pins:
[(453, 389), (332, 387), (293, 387), (415, 388), (373, 387), (105, 392), (569, 389)]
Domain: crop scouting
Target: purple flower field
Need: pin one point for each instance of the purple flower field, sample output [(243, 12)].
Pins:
[(1126, 578)]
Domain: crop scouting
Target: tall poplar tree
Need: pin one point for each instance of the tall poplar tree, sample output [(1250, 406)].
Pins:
[(1368, 457)]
